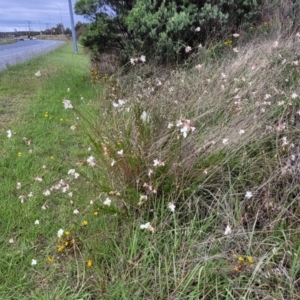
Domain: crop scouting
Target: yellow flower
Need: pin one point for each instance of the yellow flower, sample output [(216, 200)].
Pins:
[(89, 263), (19, 154), (61, 119), (84, 223), (50, 259), (241, 259), (60, 248), (96, 213), (67, 233), (250, 260), (46, 115), (52, 157)]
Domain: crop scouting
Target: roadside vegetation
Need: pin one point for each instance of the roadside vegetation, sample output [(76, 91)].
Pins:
[(153, 182), (5, 41)]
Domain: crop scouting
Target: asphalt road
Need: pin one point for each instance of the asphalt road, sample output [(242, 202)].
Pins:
[(21, 51)]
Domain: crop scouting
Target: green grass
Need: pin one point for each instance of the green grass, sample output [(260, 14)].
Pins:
[(7, 41), (32, 107), (206, 175)]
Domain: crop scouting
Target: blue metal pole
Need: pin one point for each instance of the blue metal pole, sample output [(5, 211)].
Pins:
[(73, 28)]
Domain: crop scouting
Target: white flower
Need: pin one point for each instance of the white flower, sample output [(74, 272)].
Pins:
[(298, 34), (22, 197), (9, 134), (225, 141), (171, 207), (227, 230), (197, 29), (75, 211), (267, 96), (198, 67), (184, 131), (11, 241), (170, 125), (188, 49), (235, 50), (67, 104), (18, 185), (147, 226), (38, 74), (284, 141), (46, 193), (64, 189), (33, 262), (119, 103), (133, 60), (143, 58), (158, 163), (275, 44), (71, 171), (248, 195), (30, 195), (73, 127), (144, 117), (294, 95), (107, 202), (121, 152), (150, 172), (235, 35), (144, 226), (242, 131), (112, 162), (91, 161), (68, 89), (36, 222), (143, 197), (60, 232)]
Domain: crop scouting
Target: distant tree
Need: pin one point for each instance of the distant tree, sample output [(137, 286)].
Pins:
[(68, 31), (79, 28)]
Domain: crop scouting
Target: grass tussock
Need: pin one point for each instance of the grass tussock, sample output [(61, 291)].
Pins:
[(215, 144), (158, 184)]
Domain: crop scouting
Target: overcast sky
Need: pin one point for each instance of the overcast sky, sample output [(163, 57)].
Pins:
[(15, 14)]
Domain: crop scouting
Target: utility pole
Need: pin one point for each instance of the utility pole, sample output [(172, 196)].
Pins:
[(49, 19), (73, 28), (29, 29), (62, 26)]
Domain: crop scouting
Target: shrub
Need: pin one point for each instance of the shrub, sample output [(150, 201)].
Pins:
[(164, 29)]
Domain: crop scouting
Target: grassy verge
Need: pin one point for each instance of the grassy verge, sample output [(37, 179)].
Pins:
[(37, 156), (7, 41), (206, 156), (155, 185)]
